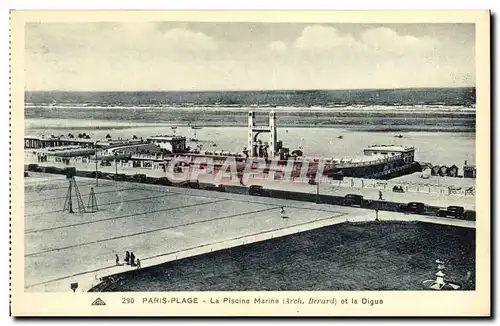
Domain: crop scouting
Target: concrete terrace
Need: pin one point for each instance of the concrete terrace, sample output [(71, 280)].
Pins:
[(157, 223)]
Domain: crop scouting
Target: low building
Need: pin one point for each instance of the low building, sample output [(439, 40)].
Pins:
[(406, 152), (55, 141), (174, 144), (469, 171), (35, 142)]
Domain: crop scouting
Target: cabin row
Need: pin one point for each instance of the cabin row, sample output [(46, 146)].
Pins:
[(469, 171)]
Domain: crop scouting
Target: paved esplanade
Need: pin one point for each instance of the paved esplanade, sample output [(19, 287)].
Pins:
[(157, 224)]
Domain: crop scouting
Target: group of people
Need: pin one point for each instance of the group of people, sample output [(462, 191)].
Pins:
[(129, 259)]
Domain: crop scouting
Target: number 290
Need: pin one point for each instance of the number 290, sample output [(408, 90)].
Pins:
[(127, 300)]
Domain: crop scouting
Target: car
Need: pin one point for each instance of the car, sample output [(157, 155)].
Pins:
[(93, 173), (163, 181), (121, 177), (353, 200), (139, 178), (33, 167), (221, 188), (453, 211), (255, 190), (469, 216), (397, 189), (26, 174), (211, 187), (195, 184), (413, 207)]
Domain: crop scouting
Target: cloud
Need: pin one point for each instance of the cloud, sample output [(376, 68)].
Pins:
[(278, 46), (117, 38), (323, 38), (104, 56), (179, 38), (384, 38)]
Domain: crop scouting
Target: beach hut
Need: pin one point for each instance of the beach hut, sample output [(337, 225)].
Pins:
[(426, 173), (452, 171), (469, 171), (435, 169), (443, 170), (425, 165)]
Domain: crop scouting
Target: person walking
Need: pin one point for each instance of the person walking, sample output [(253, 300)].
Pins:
[(282, 212), (380, 195), (138, 263), (376, 214), (132, 259), (117, 259), (127, 257)]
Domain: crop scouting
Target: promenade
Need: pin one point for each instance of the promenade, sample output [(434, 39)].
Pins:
[(369, 188)]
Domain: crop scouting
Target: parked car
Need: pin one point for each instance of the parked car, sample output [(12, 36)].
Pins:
[(221, 188), (412, 207), (353, 200), (163, 181), (469, 215), (92, 174), (195, 184), (139, 177), (121, 177), (255, 190), (397, 189), (453, 211), (33, 167), (211, 187)]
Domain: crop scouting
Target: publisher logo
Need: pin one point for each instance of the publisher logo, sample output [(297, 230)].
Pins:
[(98, 302)]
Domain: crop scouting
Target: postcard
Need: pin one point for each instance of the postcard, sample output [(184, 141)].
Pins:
[(250, 163)]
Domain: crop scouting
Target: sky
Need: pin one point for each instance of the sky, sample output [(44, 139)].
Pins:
[(172, 56)]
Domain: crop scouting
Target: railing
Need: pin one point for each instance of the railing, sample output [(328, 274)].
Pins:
[(406, 186)]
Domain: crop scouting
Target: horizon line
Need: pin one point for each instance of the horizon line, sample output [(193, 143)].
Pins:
[(252, 90)]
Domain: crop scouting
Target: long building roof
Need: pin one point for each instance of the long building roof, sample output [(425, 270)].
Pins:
[(392, 148)]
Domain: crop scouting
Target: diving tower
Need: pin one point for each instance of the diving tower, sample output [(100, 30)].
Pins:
[(254, 148)]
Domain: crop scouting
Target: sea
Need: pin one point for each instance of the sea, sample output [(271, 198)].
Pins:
[(439, 123)]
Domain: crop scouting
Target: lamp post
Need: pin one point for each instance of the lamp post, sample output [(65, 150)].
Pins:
[(96, 178), (116, 166), (317, 189)]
